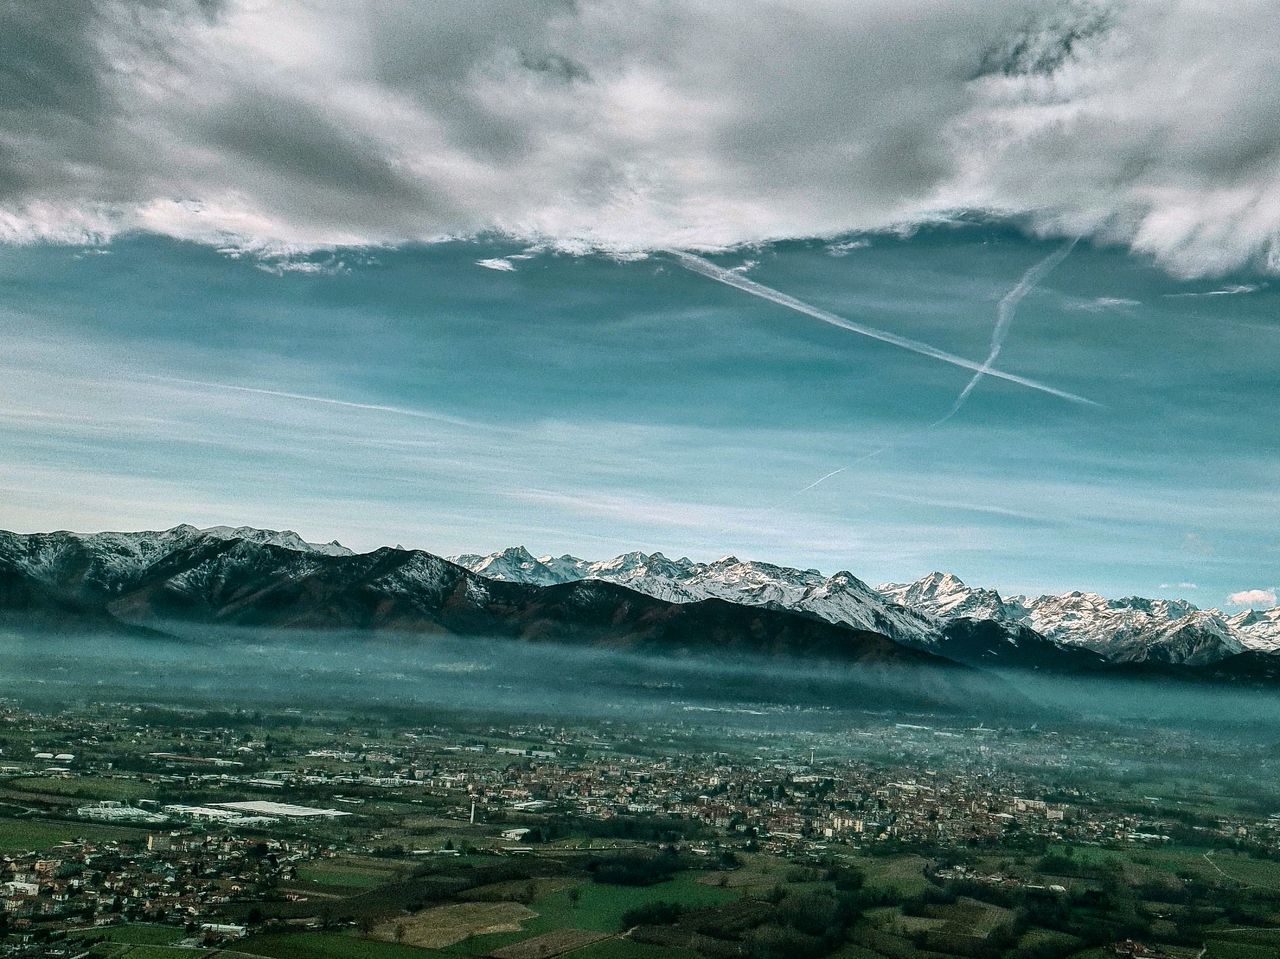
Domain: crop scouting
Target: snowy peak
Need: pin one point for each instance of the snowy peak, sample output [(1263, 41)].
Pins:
[(1257, 629), (1128, 629), (842, 598), (939, 611), (946, 596), (564, 569), (287, 539), (514, 565), (111, 563)]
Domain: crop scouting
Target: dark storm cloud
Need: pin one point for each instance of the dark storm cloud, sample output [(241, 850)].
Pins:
[(642, 124)]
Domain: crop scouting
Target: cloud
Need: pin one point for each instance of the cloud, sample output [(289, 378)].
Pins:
[(848, 246), (1233, 290), (1101, 304), (636, 125), (1253, 597)]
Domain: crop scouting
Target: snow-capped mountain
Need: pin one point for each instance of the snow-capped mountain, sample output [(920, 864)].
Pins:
[(178, 583), (518, 565), (113, 562), (270, 537), (945, 596), (841, 598), (1127, 630), (1258, 629), (227, 571), (1130, 629)]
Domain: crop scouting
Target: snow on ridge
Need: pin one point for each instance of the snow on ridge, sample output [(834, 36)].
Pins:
[(841, 598), (1126, 629), (1131, 628)]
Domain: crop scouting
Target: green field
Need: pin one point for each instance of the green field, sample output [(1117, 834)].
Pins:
[(122, 950), (137, 933), (599, 908), (26, 835), (1146, 862), (626, 949), (326, 945), (903, 873), (88, 788), (349, 872)]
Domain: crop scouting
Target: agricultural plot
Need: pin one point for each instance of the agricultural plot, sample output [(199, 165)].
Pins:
[(903, 873), (548, 944), (519, 889), (626, 949), (594, 908), (85, 788), (443, 926), (22, 835), (349, 872), (121, 950), (134, 933), (325, 945)]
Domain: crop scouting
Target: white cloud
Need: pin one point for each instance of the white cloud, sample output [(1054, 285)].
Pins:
[(1253, 597), (1234, 290), (628, 126), (848, 246), (1103, 303)]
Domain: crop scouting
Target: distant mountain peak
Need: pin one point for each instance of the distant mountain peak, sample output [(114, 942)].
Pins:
[(287, 538), (842, 598), (936, 610)]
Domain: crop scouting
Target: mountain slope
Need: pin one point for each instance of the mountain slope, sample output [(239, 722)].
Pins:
[(922, 614), (193, 577), (841, 598), (1128, 630), (261, 578)]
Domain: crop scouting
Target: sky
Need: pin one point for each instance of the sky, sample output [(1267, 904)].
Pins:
[(886, 287)]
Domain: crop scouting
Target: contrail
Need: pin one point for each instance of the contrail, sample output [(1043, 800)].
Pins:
[(821, 479), (708, 269), (1004, 318), (1005, 310), (305, 397)]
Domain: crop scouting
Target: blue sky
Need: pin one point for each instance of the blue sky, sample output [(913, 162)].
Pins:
[(394, 272), (591, 404)]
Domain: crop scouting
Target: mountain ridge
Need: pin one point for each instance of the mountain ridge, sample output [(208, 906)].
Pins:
[(245, 577), (1127, 630)]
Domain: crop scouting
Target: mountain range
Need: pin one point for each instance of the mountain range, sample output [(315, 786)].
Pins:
[(155, 583), (1128, 630)]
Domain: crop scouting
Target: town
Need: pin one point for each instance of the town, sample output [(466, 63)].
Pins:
[(129, 827)]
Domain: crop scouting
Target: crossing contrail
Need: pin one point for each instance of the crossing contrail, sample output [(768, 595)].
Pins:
[(708, 269), (1004, 318), (821, 479)]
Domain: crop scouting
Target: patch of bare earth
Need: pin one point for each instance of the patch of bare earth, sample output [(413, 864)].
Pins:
[(442, 926)]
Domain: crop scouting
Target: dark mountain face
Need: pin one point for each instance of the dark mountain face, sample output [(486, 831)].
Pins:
[(233, 582), (988, 643), (194, 583), (139, 582)]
